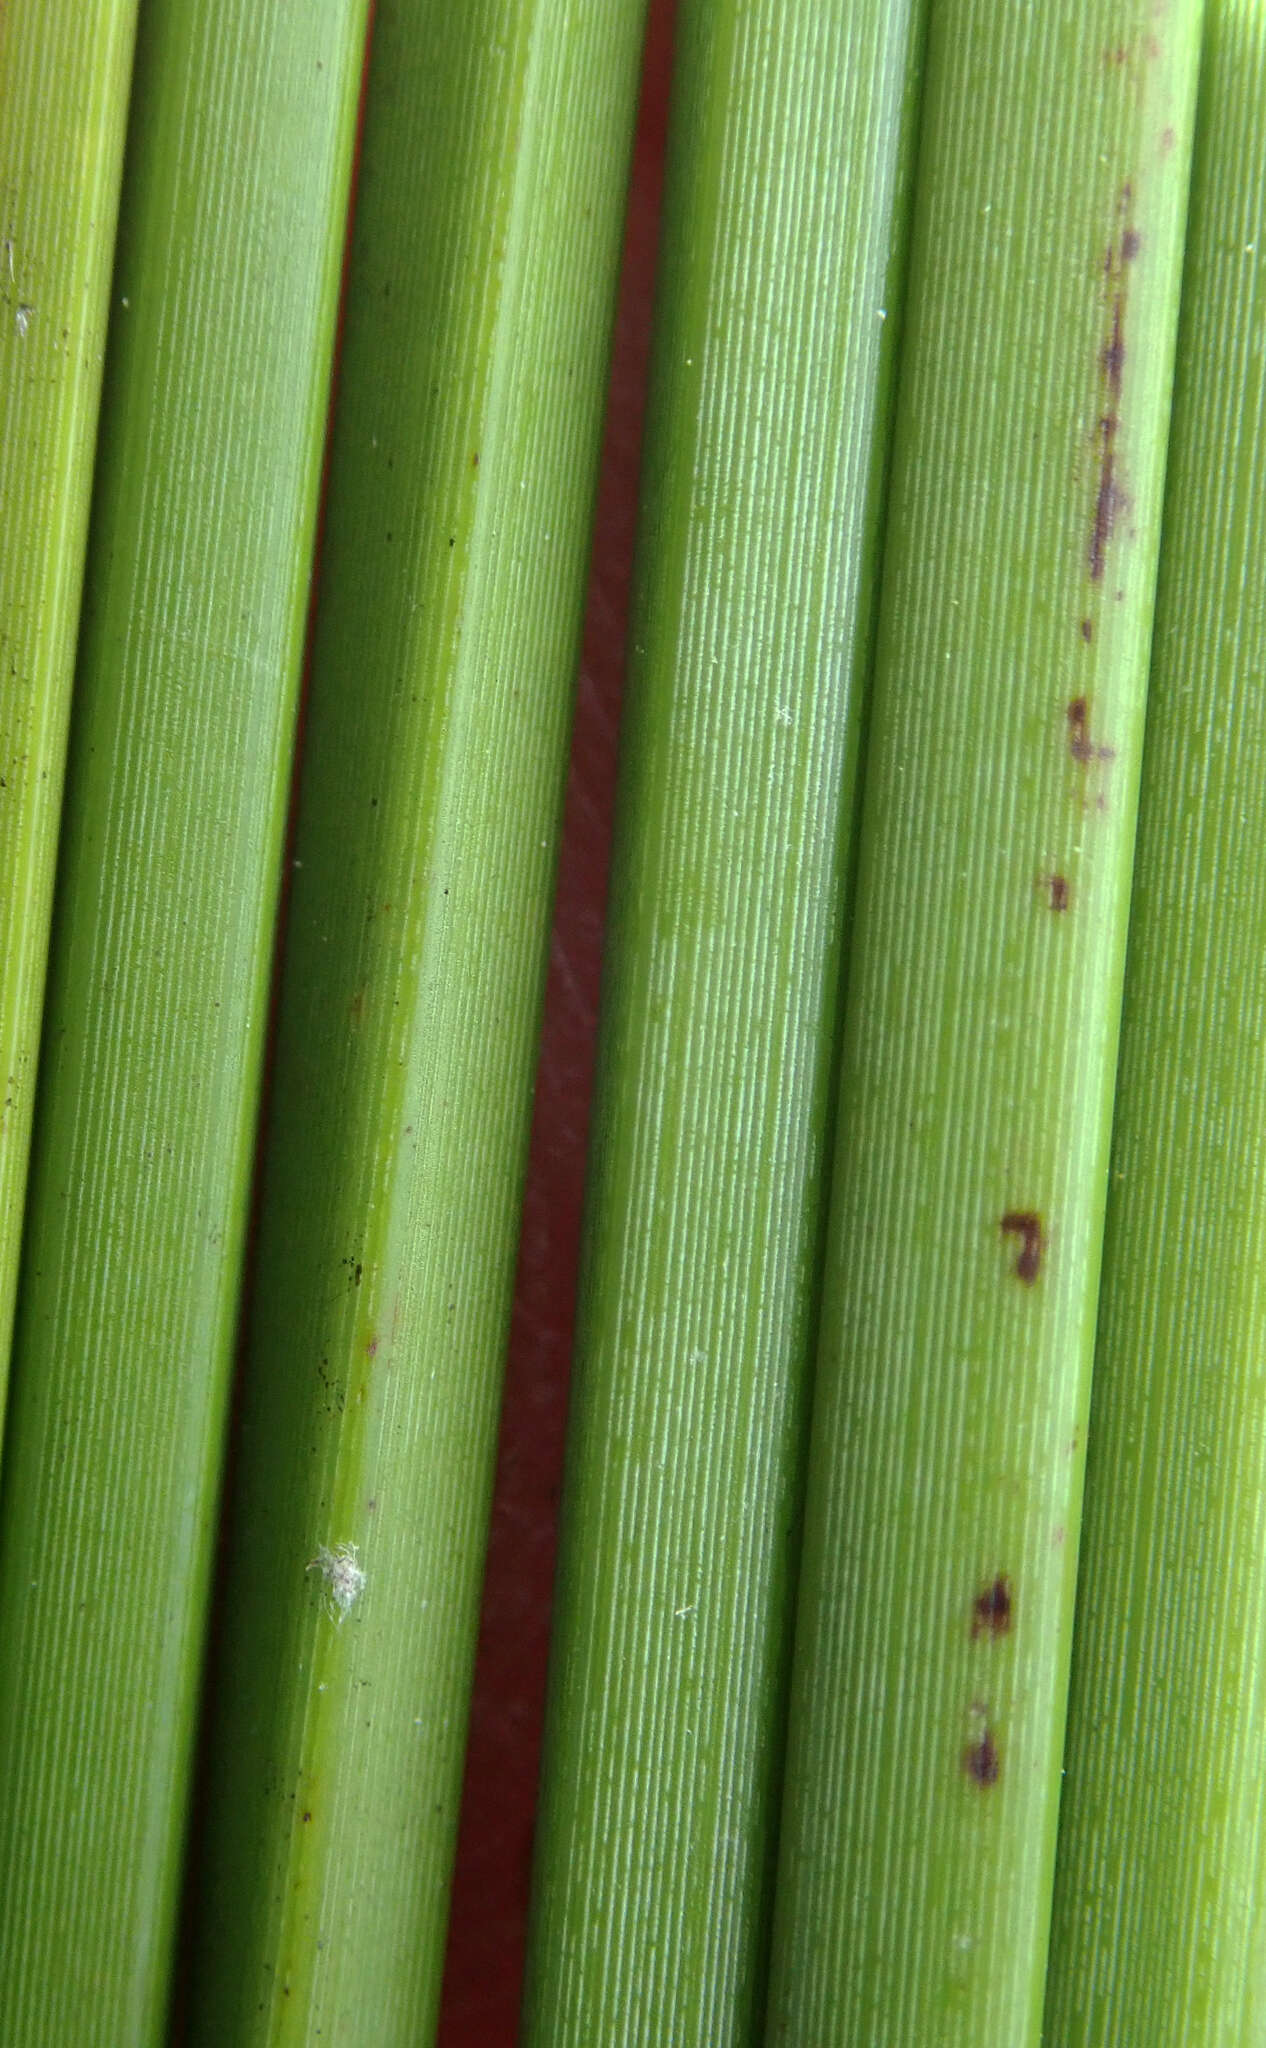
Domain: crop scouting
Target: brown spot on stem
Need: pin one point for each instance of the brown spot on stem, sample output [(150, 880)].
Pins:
[(982, 1762), (1112, 358), (1058, 886), (1168, 139), (1087, 629), (1080, 745), (1025, 1224), (991, 1610), (1110, 500)]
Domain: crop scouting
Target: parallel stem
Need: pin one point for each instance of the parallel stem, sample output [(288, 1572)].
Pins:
[(463, 467), (981, 1025), (1159, 1931), (779, 300), (213, 414), (64, 73)]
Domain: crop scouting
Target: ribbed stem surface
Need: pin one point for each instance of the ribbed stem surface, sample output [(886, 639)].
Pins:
[(981, 1025), (464, 457), (780, 287), (1159, 1932), (213, 413), (64, 70)]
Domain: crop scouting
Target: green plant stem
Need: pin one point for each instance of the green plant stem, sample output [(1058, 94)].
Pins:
[(463, 467), (780, 287), (981, 1026), (1160, 1897), (64, 70), (213, 414)]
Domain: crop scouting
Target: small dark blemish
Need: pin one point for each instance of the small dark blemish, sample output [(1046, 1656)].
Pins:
[(1058, 885), (1025, 1224), (1080, 745), (1109, 499), (307, 1817), (991, 1610), (981, 1761), (357, 1273), (1087, 629), (1112, 358), (474, 460), (1168, 139)]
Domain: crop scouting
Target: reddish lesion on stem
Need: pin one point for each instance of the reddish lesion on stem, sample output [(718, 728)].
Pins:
[(1110, 498), (981, 1761), (1080, 745), (992, 1609), (1026, 1225)]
